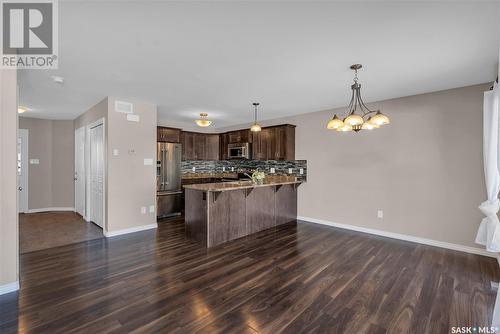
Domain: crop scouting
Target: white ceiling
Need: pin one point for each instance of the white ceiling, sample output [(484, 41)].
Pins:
[(292, 57)]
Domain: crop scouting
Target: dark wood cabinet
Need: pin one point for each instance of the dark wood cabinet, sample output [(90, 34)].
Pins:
[(212, 147), (223, 143), (274, 143), (170, 135), (187, 142), (240, 136), (199, 146)]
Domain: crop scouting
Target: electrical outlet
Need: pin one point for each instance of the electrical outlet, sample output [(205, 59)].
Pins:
[(301, 171), (223, 168), (290, 170), (193, 169), (272, 170), (380, 214), (151, 209), (232, 169), (143, 210)]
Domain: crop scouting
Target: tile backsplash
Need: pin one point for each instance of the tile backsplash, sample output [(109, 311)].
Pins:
[(217, 166)]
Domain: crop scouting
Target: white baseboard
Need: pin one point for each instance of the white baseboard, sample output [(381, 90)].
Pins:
[(405, 237), (6, 288), (50, 209), (108, 234)]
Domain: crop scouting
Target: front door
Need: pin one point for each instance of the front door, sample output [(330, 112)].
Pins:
[(22, 169)]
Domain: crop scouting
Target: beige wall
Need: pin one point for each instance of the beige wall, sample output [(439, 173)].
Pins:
[(129, 184), (8, 189), (50, 182), (425, 170)]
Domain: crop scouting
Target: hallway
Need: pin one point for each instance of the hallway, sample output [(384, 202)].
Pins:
[(45, 230)]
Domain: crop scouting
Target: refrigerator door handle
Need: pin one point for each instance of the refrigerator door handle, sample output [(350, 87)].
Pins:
[(162, 167), (166, 157)]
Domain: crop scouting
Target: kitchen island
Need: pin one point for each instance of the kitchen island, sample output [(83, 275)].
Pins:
[(216, 213)]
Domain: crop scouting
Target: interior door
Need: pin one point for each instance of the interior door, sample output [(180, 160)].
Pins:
[(96, 174), (80, 171), (22, 170)]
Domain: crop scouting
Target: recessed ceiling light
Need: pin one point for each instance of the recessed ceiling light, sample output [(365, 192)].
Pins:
[(58, 79), (21, 109)]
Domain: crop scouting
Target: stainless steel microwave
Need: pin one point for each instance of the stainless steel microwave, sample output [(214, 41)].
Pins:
[(239, 151)]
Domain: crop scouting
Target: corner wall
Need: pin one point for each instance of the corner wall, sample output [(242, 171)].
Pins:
[(130, 184), (9, 254)]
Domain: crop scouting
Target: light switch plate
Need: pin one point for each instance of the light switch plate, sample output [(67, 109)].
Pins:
[(151, 209), (380, 214), (116, 152), (34, 161), (148, 162), (272, 170), (143, 210), (193, 169), (290, 170)]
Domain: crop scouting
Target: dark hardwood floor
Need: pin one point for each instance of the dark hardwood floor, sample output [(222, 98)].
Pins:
[(293, 279)]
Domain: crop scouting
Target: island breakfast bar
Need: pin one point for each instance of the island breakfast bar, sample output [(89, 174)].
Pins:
[(216, 213)]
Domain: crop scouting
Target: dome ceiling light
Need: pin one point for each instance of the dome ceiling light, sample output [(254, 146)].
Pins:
[(359, 117), (203, 121)]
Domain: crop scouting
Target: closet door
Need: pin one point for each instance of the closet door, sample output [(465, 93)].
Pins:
[(96, 174)]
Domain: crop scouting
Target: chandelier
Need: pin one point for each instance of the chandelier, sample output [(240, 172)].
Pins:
[(359, 117)]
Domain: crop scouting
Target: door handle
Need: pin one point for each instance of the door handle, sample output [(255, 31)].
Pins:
[(75, 178), (20, 188)]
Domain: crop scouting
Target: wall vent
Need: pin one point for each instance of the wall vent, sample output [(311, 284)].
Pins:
[(124, 107)]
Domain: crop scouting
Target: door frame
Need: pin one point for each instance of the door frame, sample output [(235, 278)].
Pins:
[(25, 156), (101, 121), (84, 213)]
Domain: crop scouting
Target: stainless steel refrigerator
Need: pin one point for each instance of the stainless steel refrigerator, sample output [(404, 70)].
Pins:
[(168, 180)]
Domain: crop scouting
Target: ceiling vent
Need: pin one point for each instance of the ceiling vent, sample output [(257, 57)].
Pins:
[(124, 107)]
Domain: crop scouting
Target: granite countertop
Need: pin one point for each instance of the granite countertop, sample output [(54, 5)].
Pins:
[(236, 185)]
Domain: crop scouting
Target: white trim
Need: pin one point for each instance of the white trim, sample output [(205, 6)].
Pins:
[(130, 230), (50, 209), (405, 237), (10, 287)]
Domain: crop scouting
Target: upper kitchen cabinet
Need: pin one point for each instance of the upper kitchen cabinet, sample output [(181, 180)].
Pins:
[(240, 136), (223, 144), (199, 146), (169, 135), (274, 143), (212, 147)]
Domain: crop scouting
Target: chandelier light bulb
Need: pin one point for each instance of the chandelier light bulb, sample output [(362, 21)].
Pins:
[(334, 123), (353, 120)]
